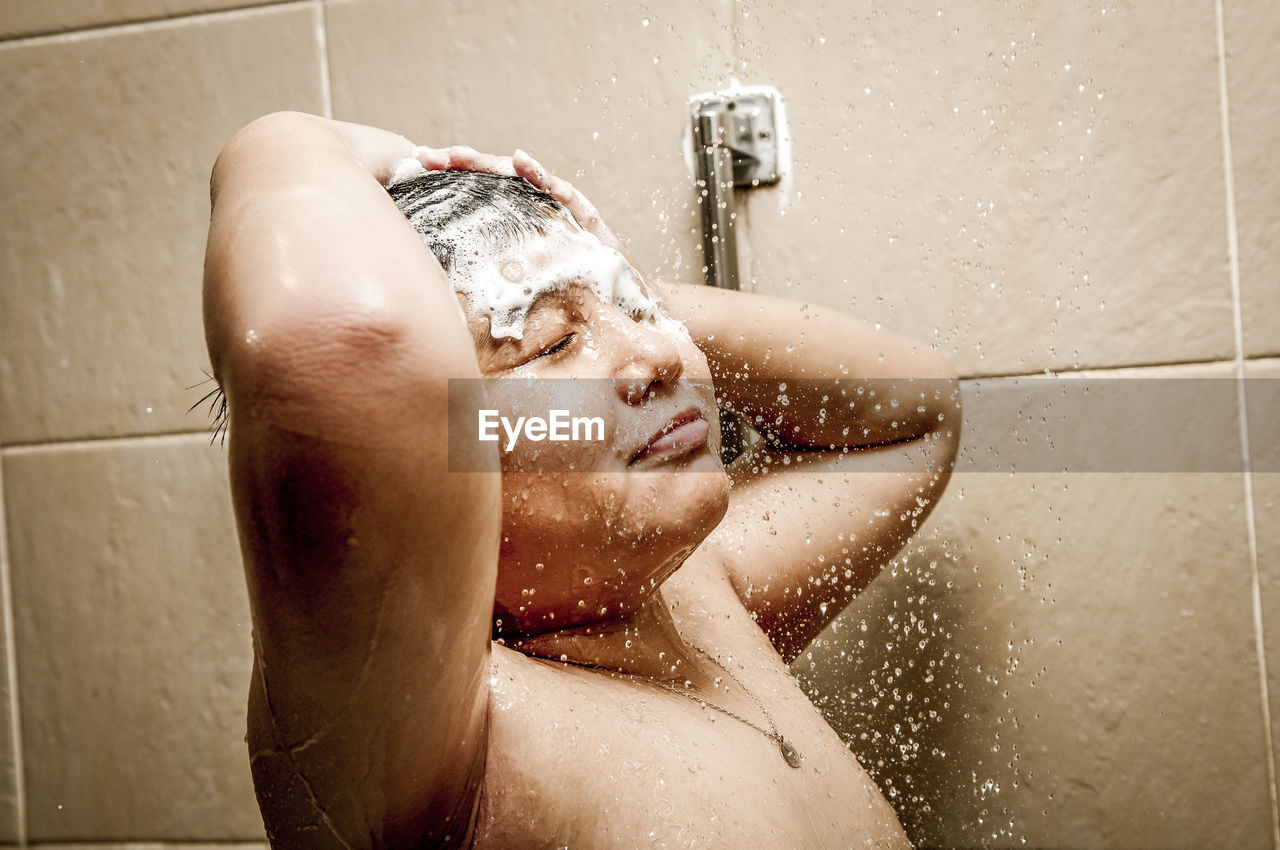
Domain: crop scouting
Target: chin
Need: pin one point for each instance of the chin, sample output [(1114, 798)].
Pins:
[(699, 490), (689, 505), (706, 485), (627, 568)]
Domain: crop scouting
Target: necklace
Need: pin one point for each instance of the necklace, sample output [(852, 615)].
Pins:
[(789, 753)]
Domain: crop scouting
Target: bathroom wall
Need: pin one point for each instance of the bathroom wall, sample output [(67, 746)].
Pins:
[(1056, 660), (1069, 660)]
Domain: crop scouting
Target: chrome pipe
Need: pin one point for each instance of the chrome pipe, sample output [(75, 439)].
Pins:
[(714, 164)]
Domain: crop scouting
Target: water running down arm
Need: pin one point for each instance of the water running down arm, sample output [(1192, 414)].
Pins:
[(370, 568)]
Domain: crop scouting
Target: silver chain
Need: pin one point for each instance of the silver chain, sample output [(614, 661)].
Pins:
[(789, 753), (773, 733)]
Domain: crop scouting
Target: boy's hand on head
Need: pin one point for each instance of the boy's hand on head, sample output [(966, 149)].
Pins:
[(463, 158), (583, 211), (521, 164)]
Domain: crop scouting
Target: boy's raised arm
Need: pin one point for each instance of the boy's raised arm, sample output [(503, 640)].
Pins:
[(863, 426), (370, 567)]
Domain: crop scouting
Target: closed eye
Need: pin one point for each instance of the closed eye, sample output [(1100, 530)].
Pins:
[(560, 346)]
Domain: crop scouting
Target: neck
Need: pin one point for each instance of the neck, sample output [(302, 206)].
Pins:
[(644, 643)]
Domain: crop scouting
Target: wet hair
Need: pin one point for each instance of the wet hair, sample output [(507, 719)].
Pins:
[(450, 210), (457, 210)]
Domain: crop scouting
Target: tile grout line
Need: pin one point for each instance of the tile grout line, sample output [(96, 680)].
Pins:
[(1233, 253), (11, 663), (94, 442), (83, 33), (322, 37), (1092, 371)]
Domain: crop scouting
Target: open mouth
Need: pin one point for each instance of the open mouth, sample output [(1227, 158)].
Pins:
[(685, 432)]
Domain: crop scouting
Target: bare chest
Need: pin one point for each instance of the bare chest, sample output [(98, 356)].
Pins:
[(578, 759)]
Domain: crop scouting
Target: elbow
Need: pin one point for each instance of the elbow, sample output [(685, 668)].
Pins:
[(246, 142), (271, 125), (331, 375)]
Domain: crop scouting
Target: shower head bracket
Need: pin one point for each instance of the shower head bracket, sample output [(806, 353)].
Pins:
[(747, 128), (735, 146)]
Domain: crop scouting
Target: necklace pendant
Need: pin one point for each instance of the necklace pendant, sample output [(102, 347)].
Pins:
[(789, 753)]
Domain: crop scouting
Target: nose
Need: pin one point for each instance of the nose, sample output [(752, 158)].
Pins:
[(646, 360)]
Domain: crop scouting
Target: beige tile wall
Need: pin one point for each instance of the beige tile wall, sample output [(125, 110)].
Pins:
[(102, 230), (133, 641), (38, 17), (12, 808), (976, 164), (982, 172), (132, 633), (1253, 76), (1265, 445), (1105, 693), (589, 88), (1057, 660)]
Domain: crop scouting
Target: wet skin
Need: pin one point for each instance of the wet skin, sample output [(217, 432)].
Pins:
[(595, 759), (592, 544), (380, 712), (573, 749)]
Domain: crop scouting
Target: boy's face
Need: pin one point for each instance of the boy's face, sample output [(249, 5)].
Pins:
[(591, 527)]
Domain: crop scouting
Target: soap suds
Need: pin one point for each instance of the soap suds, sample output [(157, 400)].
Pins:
[(504, 287), (406, 168), (503, 284), (512, 271)]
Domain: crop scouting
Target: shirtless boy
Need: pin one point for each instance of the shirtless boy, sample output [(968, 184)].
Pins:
[(636, 691)]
